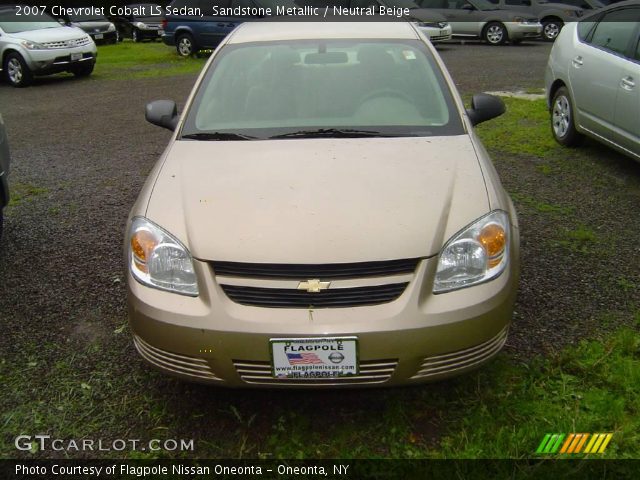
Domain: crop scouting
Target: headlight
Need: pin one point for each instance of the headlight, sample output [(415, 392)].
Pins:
[(141, 26), (112, 28), (159, 260), (478, 253), (33, 45)]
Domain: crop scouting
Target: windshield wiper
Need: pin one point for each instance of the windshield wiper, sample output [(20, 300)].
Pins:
[(217, 136), (333, 132)]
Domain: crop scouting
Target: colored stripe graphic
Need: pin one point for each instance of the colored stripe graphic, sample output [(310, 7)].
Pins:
[(574, 443)]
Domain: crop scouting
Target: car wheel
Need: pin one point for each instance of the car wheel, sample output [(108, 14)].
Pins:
[(83, 70), (551, 29), (562, 119), (184, 45), (135, 35), (1, 222), (17, 71), (495, 33)]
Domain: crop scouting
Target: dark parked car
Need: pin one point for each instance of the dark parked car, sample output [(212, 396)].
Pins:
[(191, 33), (140, 21), (4, 171), (97, 26)]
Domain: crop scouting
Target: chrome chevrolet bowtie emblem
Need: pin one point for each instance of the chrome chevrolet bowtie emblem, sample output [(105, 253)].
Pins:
[(313, 286)]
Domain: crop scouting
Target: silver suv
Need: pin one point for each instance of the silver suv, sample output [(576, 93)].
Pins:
[(36, 44)]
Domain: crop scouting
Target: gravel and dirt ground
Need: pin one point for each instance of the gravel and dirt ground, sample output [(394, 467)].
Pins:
[(81, 150)]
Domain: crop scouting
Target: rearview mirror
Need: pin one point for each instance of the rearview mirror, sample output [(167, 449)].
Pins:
[(485, 107), (163, 113)]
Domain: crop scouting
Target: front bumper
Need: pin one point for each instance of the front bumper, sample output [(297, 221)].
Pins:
[(45, 62), (437, 34), (416, 338), (521, 31)]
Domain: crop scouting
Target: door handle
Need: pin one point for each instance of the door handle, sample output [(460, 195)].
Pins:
[(577, 62), (627, 83)]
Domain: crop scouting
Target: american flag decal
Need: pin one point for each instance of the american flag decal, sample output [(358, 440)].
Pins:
[(303, 359)]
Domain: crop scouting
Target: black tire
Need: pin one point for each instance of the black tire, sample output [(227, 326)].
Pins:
[(16, 70), (135, 35), (563, 126), (1, 222), (551, 29), (495, 33), (83, 70), (185, 45), (119, 35)]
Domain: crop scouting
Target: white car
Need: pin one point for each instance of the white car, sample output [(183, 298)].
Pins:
[(36, 44), (593, 80)]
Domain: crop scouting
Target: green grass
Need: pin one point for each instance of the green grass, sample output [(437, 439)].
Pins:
[(23, 192), (524, 129), (128, 60), (501, 411)]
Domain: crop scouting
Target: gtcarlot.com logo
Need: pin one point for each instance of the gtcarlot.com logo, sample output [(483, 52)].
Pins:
[(574, 443), (41, 443)]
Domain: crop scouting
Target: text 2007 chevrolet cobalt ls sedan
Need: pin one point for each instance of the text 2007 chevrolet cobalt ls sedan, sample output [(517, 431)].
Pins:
[(324, 215)]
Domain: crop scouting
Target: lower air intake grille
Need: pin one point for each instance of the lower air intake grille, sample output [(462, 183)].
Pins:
[(371, 372), (173, 362), (330, 271), (290, 298), (450, 362)]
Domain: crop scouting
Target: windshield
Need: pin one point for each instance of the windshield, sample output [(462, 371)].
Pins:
[(87, 18), (268, 89), (483, 4), (27, 23)]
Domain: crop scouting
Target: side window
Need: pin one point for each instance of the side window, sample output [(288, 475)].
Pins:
[(615, 30), (518, 3), (637, 55), (495, 2)]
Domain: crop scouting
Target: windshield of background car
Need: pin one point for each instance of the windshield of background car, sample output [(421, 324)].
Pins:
[(87, 18), (9, 23), (266, 89)]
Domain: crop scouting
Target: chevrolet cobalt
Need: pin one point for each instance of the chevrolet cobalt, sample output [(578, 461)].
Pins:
[(324, 215)]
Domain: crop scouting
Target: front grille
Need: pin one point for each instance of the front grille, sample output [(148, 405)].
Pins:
[(289, 298), (371, 372), (78, 42), (469, 357), (193, 367), (329, 271)]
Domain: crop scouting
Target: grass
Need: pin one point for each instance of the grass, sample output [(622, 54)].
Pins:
[(502, 411), (128, 60)]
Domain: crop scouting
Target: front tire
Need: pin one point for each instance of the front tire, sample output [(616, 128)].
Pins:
[(551, 29), (563, 125), (17, 71), (495, 33), (135, 36), (185, 45)]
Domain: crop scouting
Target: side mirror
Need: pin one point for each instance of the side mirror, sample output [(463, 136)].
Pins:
[(468, 6), (485, 107), (163, 113)]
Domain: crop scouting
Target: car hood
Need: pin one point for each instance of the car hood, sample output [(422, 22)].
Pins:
[(318, 200), (92, 24), (56, 34)]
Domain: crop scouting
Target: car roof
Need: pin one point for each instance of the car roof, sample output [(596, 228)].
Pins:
[(273, 31)]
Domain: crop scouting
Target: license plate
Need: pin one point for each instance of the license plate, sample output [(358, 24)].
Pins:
[(76, 56), (311, 358), (99, 36), (160, 32)]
